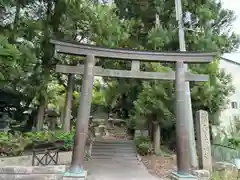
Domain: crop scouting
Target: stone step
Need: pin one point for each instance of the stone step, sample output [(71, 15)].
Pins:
[(113, 145), (122, 150), (114, 158), (114, 141), (113, 150), (110, 148), (113, 154), (114, 163)]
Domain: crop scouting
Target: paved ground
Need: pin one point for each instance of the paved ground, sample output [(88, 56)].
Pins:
[(115, 161), (117, 169)]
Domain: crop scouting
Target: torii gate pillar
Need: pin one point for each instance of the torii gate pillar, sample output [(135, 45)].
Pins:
[(82, 120)]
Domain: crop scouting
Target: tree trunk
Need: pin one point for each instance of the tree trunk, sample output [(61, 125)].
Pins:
[(68, 104), (62, 115), (15, 22), (40, 115), (150, 127), (157, 135)]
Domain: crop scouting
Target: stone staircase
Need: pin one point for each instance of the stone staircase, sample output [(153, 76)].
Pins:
[(113, 157), (114, 149), (116, 160)]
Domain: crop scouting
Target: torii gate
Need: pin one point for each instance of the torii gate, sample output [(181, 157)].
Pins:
[(89, 70)]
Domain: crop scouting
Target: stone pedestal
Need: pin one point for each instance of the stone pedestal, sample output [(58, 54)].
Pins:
[(176, 176), (202, 174), (56, 172), (73, 178), (69, 176)]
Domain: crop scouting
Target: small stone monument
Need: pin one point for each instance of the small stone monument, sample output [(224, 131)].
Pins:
[(102, 128), (51, 118), (145, 132), (4, 122), (137, 133), (141, 132), (97, 131), (203, 141)]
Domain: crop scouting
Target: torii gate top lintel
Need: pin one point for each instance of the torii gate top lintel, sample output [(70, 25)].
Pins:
[(79, 49)]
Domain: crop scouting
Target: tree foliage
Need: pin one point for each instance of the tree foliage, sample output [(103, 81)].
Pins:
[(28, 58)]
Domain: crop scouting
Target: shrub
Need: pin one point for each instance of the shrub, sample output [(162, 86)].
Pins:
[(223, 176), (12, 145), (67, 138), (144, 149), (36, 139), (234, 142), (142, 139), (16, 143), (143, 145)]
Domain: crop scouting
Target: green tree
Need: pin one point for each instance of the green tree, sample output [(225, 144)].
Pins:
[(144, 24), (206, 31)]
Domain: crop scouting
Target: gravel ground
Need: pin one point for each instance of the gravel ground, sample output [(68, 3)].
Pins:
[(160, 165)]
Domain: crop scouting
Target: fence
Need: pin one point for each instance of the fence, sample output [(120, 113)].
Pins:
[(224, 153)]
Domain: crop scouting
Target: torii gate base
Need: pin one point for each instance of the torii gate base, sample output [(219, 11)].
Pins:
[(176, 176)]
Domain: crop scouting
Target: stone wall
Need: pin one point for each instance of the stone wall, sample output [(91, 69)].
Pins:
[(64, 158), (32, 172)]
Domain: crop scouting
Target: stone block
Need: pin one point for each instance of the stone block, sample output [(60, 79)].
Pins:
[(59, 169), (202, 174), (32, 172), (31, 177), (176, 176)]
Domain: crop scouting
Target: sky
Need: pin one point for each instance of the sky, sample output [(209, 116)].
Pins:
[(235, 6)]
